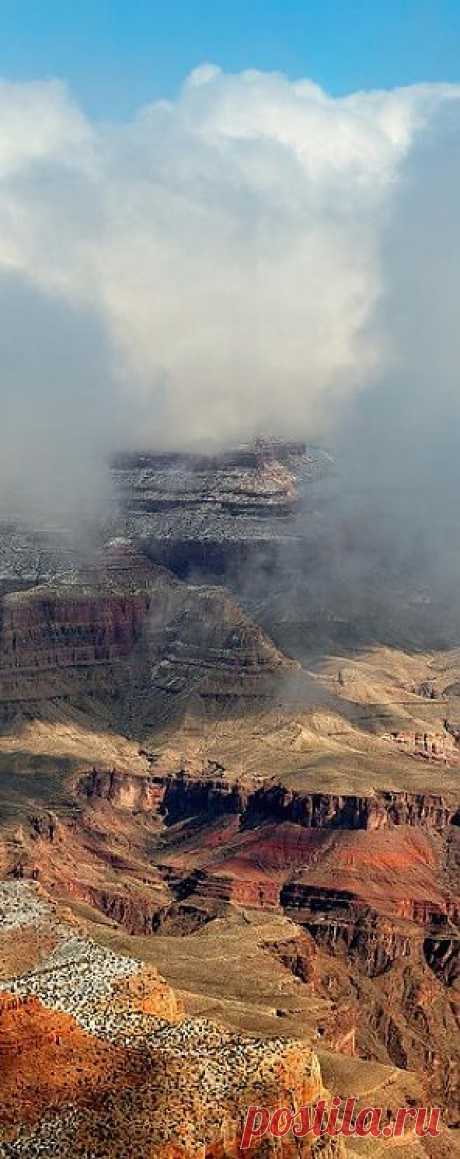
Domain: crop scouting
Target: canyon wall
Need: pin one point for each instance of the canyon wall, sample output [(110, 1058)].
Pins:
[(186, 796), (131, 632)]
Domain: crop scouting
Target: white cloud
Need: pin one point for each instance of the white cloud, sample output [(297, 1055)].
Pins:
[(40, 122), (227, 246)]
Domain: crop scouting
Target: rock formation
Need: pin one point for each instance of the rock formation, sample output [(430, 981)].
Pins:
[(275, 827)]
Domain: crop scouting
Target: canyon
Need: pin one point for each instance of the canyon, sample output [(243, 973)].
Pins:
[(268, 826)]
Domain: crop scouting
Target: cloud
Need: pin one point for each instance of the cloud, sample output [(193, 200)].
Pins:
[(232, 262), (57, 404), (399, 439)]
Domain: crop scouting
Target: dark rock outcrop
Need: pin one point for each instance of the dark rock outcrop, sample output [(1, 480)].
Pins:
[(443, 957)]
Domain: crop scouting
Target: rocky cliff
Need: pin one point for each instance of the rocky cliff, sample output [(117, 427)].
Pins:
[(186, 795), (215, 513), (276, 847), (130, 632)]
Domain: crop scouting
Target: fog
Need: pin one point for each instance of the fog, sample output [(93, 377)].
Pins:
[(253, 257), (398, 442)]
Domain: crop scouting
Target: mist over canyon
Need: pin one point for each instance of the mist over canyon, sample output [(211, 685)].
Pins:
[(252, 258)]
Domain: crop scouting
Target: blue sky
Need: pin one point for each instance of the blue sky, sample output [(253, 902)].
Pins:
[(117, 55)]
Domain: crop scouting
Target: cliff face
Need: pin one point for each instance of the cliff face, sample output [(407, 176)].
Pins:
[(376, 811), (131, 634), (62, 639), (284, 849), (216, 513), (66, 636), (124, 790), (186, 795)]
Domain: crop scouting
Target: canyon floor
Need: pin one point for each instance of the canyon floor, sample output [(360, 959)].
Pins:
[(239, 808)]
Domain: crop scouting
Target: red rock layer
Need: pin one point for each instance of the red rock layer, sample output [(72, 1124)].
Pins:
[(46, 1061)]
